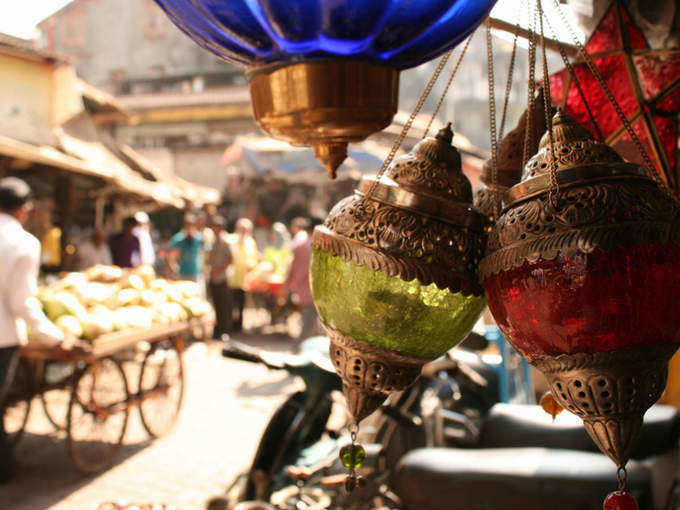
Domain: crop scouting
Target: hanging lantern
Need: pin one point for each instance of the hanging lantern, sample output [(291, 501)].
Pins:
[(394, 272), (321, 72), (645, 83), (510, 157), (583, 282)]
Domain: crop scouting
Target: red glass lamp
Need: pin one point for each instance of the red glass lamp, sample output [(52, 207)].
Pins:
[(645, 83), (583, 281)]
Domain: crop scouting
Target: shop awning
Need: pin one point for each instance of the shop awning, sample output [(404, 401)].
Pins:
[(100, 158), (49, 156), (104, 108), (196, 194)]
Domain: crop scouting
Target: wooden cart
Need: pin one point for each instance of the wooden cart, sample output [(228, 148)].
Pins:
[(89, 393)]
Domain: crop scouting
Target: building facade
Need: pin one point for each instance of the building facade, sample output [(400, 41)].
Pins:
[(188, 105)]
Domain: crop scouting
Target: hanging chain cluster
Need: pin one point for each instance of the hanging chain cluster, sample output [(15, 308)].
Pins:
[(448, 85), (493, 135), (554, 181), (407, 126), (528, 132), (572, 73), (511, 70), (617, 108)]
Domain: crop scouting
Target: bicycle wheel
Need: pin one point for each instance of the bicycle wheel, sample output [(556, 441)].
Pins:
[(97, 415), (54, 397), (161, 388), (17, 404)]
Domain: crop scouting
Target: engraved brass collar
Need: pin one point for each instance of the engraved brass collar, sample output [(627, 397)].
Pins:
[(574, 176), (388, 192)]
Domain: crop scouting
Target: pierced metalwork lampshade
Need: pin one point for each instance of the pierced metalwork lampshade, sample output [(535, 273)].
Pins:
[(394, 272), (583, 282), (326, 72)]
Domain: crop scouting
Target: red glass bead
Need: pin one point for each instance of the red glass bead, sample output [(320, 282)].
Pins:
[(620, 501), (602, 301)]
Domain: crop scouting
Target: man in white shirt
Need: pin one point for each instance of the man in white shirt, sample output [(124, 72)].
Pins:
[(19, 308)]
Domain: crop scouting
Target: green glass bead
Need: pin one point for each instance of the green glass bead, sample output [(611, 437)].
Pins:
[(389, 312), (352, 456)]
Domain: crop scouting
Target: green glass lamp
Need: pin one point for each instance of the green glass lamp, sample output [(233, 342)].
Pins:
[(394, 272)]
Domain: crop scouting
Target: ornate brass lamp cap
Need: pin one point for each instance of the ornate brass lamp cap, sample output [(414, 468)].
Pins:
[(417, 223), (603, 203), (325, 104)]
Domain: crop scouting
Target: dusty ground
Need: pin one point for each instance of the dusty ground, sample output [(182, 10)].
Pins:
[(227, 404)]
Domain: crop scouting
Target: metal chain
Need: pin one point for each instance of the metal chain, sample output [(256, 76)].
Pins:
[(617, 108), (529, 130), (511, 71), (554, 181), (572, 73), (448, 84), (493, 135), (409, 122)]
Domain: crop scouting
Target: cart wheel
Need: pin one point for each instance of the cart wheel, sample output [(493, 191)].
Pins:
[(97, 415), (55, 398), (17, 404), (161, 388)]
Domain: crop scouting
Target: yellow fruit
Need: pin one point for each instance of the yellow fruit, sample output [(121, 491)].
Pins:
[(70, 326), (146, 273), (135, 282)]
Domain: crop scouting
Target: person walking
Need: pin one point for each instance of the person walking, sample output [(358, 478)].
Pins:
[(246, 256), (147, 252), (19, 308), (125, 247), (188, 243), (219, 260), (298, 277)]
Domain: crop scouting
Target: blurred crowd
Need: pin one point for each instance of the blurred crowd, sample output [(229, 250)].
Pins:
[(231, 267)]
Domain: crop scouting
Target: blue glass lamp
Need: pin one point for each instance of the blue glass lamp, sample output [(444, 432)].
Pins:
[(326, 72)]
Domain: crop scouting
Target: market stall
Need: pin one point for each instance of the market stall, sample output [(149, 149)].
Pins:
[(129, 324)]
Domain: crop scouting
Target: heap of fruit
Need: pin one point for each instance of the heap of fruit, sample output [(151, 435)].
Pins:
[(270, 273), (105, 299)]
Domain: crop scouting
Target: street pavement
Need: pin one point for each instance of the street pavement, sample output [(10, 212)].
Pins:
[(226, 407)]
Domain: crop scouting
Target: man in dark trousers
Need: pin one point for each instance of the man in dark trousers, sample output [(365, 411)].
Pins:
[(220, 259), (19, 308)]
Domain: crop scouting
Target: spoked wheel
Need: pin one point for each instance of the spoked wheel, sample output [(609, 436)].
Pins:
[(97, 415), (55, 396), (17, 403), (161, 388)]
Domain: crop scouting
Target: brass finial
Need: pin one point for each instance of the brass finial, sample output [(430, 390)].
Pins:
[(445, 134), (573, 146), (331, 155)]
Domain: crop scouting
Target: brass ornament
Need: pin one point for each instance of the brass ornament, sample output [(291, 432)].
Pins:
[(369, 373), (603, 203), (417, 223), (610, 391), (510, 159), (324, 103)]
